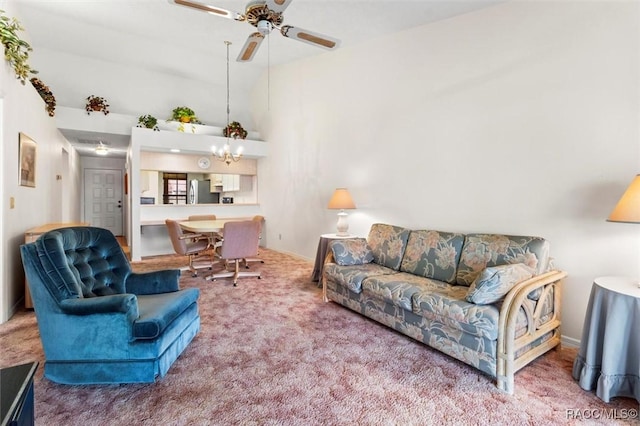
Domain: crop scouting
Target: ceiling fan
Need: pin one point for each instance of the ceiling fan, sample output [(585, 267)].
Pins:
[(265, 15)]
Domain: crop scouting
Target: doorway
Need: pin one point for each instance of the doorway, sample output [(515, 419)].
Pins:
[(103, 199)]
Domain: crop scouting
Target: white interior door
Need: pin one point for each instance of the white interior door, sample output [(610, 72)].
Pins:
[(103, 199)]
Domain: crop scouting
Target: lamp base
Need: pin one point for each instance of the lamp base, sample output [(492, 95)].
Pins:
[(343, 225)]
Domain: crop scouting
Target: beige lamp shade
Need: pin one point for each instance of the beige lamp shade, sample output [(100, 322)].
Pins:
[(628, 208), (341, 199)]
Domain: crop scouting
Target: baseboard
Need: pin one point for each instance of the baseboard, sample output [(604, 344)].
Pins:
[(569, 342)]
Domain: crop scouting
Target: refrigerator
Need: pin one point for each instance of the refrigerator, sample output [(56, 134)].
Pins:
[(200, 193)]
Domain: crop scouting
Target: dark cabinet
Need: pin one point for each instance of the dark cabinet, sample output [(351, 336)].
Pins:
[(16, 395)]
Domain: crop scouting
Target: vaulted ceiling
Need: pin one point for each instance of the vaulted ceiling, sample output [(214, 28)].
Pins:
[(129, 51)]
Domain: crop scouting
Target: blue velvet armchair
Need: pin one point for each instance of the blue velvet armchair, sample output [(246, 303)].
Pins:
[(100, 322)]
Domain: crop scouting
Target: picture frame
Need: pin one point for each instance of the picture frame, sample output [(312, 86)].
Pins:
[(27, 161)]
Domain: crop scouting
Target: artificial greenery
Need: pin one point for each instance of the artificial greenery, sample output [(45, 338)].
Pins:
[(234, 130), (148, 121), (46, 95), (16, 50), (184, 115), (96, 103)]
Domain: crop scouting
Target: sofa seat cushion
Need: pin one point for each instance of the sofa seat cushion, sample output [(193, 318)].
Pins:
[(158, 311), (353, 275), (398, 289), (447, 305)]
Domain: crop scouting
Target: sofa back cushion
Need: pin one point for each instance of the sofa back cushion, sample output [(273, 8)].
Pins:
[(482, 250), (433, 254), (387, 243)]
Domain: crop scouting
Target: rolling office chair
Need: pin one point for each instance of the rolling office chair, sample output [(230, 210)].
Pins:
[(260, 220), (240, 241), (189, 244)]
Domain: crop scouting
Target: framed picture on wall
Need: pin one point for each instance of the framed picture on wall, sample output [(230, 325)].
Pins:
[(27, 158)]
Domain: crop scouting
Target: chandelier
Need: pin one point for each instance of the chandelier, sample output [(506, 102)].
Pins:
[(224, 154)]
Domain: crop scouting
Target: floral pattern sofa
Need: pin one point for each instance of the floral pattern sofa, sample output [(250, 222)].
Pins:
[(489, 300)]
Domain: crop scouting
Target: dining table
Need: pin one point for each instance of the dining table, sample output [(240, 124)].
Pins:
[(205, 226)]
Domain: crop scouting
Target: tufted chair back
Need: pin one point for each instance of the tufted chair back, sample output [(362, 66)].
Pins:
[(82, 262)]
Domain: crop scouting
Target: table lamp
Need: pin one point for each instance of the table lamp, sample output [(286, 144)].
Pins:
[(341, 200), (628, 208)]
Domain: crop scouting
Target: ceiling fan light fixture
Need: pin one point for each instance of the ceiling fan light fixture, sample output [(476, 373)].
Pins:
[(264, 27), (265, 15)]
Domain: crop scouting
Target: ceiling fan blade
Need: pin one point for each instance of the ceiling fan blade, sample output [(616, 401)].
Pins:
[(278, 6), (250, 47), (217, 11), (316, 39)]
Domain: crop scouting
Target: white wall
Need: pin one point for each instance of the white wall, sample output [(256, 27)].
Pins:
[(24, 111), (521, 118)]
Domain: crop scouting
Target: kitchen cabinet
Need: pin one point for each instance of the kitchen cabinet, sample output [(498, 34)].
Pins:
[(230, 183)]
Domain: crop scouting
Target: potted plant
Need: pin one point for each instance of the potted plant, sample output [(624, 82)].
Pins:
[(46, 95), (184, 115), (234, 130), (16, 50), (96, 104), (148, 121)]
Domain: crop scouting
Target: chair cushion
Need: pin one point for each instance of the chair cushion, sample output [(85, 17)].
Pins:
[(157, 311), (433, 254), (495, 282), (387, 244), (351, 251)]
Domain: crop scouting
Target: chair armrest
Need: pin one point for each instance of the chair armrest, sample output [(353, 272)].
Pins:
[(102, 304), (153, 282)]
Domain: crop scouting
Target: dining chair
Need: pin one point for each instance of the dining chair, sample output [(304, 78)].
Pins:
[(240, 242), (260, 220), (190, 245)]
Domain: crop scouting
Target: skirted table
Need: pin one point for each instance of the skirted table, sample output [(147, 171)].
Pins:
[(609, 356)]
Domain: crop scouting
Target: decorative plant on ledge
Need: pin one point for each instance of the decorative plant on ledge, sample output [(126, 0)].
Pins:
[(148, 121), (96, 104), (16, 50), (234, 130), (184, 115), (46, 95)]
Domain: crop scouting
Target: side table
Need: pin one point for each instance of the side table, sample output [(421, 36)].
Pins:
[(16, 394), (321, 253), (609, 356)]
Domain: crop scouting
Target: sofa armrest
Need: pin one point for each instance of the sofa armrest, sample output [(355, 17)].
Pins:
[(114, 303), (153, 282), (508, 345)]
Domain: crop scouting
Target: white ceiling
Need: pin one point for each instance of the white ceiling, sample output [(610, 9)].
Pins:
[(186, 44)]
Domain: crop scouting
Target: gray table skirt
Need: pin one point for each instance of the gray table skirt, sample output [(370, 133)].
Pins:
[(609, 356)]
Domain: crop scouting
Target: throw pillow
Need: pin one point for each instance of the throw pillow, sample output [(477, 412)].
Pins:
[(494, 282), (351, 251)]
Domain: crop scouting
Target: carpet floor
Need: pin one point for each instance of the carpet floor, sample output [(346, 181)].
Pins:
[(271, 352)]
